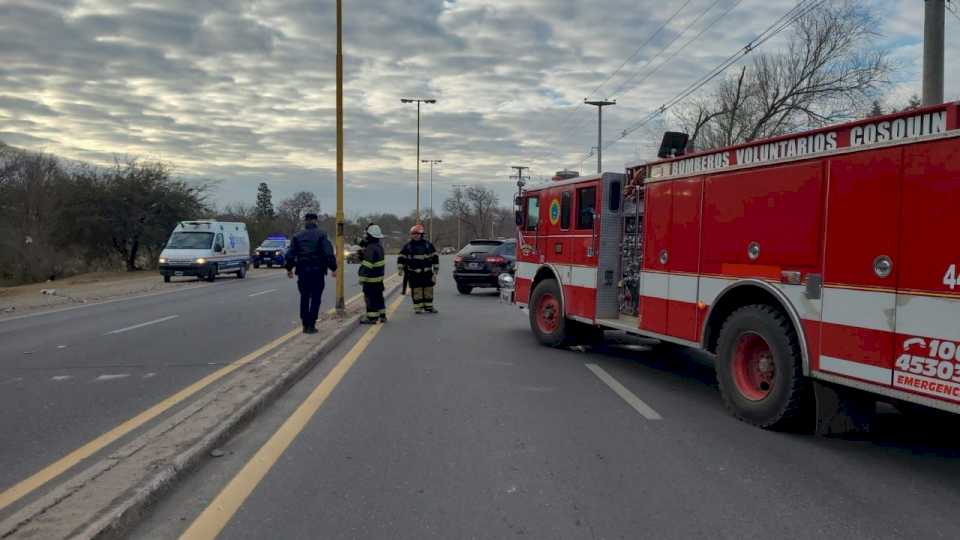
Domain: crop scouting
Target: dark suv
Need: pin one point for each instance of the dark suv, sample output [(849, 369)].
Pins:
[(481, 262)]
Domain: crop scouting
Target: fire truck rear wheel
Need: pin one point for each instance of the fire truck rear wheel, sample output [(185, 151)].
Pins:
[(759, 368), (546, 314)]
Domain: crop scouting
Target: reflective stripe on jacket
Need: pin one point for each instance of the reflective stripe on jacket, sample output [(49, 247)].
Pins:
[(373, 266)]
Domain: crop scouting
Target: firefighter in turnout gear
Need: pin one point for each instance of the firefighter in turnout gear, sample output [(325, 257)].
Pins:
[(419, 263), (372, 269)]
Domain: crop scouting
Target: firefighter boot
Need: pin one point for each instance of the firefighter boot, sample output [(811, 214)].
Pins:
[(428, 300), (417, 295)]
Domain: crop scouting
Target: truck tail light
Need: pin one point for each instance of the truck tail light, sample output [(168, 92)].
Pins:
[(496, 260), (458, 259)]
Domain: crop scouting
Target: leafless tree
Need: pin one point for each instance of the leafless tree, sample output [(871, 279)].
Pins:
[(291, 211), (829, 71)]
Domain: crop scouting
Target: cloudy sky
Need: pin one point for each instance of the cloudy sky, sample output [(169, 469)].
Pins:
[(242, 91)]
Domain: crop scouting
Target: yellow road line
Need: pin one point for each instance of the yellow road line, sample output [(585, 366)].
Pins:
[(222, 509), (38, 479)]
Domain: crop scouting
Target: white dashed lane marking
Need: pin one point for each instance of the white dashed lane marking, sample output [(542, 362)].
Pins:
[(112, 376), (645, 410), (262, 292), (141, 325), (59, 378)]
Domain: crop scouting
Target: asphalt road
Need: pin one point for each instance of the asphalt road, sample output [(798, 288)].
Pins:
[(67, 377), (460, 426)]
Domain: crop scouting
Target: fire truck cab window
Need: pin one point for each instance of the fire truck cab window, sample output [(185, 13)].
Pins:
[(586, 206), (533, 213), (615, 196), (565, 210)]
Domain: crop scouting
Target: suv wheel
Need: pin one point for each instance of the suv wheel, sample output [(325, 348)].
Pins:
[(464, 289)]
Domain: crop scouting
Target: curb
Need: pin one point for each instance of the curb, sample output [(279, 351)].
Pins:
[(131, 478)]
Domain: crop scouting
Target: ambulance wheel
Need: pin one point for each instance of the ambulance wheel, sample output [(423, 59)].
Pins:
[(212, 274), (242, 273), (546, 314), (759, 368), (166, 278)]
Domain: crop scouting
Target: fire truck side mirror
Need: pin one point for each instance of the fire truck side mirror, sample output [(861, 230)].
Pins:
[(519, 218)]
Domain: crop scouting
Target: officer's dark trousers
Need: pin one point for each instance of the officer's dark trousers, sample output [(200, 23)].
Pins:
[(311, 290), (373, 295)]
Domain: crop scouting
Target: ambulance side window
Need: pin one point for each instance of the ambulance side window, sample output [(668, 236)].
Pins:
[(533, 213), (586, 206), (218, 243), (565, 210)]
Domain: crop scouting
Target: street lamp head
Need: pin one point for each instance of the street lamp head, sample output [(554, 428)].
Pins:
[(405, 100), (600, 102), (429, 101)]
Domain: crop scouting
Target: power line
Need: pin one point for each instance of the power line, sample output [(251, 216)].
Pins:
[(625, 62), (952, 10), (641, 47), (668, 45), (659, 53), (685, 45), (800, 10)]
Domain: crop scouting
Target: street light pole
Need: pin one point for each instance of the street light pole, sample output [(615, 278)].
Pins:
[(933, 46), (459, 218), (431, 162), (340, 305), (418, 101), (600, 104)]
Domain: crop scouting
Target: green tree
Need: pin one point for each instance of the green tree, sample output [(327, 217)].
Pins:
[(141, 203), (264, 202)]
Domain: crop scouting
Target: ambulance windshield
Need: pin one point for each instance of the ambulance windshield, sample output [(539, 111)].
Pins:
[(190, 240)]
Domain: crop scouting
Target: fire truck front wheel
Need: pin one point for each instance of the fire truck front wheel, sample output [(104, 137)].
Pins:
[(759, 368), (546, 314)]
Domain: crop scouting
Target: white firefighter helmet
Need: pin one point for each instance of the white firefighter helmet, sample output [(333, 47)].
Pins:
[(374, 231)]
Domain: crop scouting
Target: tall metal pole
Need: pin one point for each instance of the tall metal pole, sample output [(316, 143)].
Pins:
[(418, 101), (340, 306), (459, 219), (933, 44), (418, 162), (432, 162), (600, 104)]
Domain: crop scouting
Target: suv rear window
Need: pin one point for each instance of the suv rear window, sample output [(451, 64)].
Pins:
[(480, 247), (508, 248)]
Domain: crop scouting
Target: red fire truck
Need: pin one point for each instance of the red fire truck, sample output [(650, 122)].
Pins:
[(820, 269)]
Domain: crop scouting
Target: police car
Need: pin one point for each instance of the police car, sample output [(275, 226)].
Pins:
[(271, 252)]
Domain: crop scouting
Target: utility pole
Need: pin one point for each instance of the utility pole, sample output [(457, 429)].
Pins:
[(933, 23), (459, 218), (432, 162), (418, 101), (600, 104), (521, 179), (341, 273)]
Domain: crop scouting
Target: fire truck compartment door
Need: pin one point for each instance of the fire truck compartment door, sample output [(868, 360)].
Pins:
[(859, 296), (684, 259), (927, 340)]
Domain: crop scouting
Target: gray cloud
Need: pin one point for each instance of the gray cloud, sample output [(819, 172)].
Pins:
[(242, 91)]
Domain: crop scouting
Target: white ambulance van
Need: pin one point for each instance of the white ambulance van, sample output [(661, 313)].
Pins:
[(206, 248)]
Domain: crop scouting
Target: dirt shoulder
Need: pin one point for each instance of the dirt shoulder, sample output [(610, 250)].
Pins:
[(83, 289)]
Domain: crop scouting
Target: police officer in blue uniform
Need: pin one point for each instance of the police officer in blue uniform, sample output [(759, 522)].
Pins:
[(312, 255)]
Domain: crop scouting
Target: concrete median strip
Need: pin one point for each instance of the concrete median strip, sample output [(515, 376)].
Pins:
[(107, 497)]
